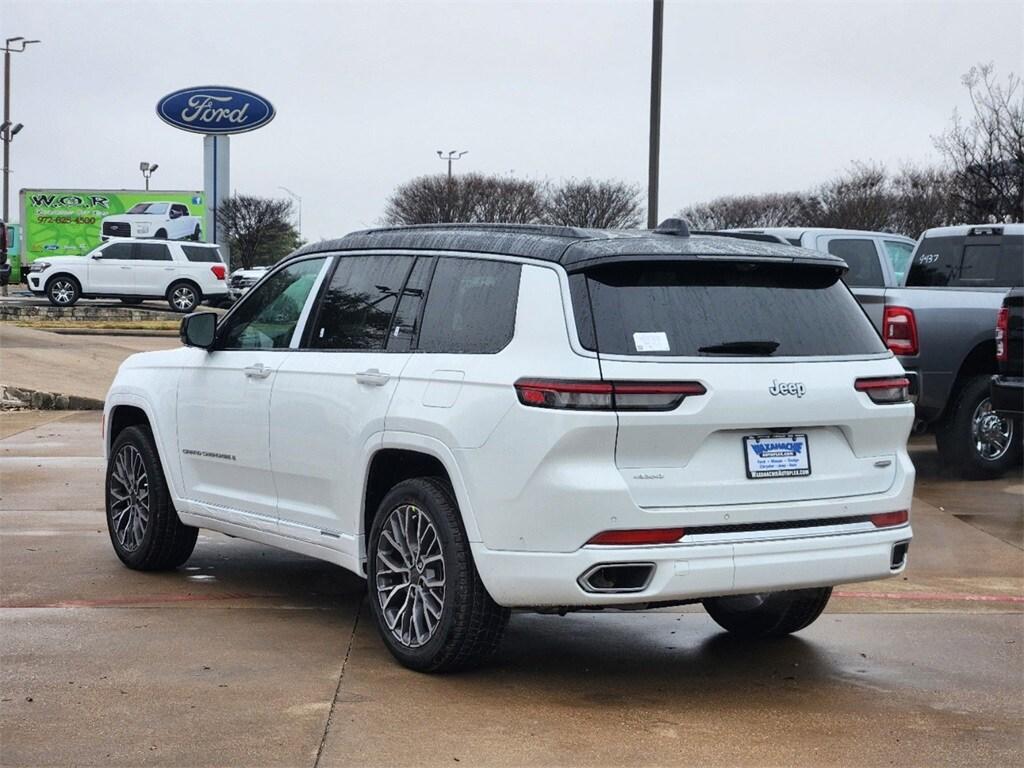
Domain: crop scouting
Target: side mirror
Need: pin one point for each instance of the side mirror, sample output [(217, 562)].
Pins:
[(199, 330)]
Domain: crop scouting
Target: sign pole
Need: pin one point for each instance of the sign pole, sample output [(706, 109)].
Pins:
[(216, 186)]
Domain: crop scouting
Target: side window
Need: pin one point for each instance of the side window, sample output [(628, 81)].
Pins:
[(151, 252), (899, 255), (407, 315), (936, 262), (862, 256), (355, 312), (208, 255), (118, 251), (267, 317), (471, 306)]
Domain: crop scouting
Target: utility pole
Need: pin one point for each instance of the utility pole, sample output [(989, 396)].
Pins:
[(452, 155), (9, 131), (655, 145)]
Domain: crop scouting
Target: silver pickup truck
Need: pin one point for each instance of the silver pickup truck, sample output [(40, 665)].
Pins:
[(941, 325), (936, 306)]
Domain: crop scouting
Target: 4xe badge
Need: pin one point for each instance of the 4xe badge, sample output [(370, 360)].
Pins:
[(787, 388)]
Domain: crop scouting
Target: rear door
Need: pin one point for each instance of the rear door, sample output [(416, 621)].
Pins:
[(153, 266), (777, 348), (331, 396)]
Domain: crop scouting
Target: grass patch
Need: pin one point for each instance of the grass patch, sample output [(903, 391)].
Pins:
[(101, 325)]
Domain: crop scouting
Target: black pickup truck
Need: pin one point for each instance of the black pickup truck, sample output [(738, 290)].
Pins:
[(1008, 384)]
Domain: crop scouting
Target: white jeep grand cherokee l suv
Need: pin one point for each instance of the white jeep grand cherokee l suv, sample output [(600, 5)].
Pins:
[(184, 274), (479, 418)]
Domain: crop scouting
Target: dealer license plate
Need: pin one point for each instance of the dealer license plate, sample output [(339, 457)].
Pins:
[(777, 456)]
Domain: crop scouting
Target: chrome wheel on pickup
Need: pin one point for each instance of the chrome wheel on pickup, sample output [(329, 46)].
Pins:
[(973, 439), (993, 435)]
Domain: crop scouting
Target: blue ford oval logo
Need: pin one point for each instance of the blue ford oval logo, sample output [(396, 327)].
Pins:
[(215, 109)]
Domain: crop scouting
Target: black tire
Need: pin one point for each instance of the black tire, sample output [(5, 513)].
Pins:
[(131, 302), (161, 234), (184, 296), (63, 291), (772, 614), (957, 437), (470, 624), (165, 542)]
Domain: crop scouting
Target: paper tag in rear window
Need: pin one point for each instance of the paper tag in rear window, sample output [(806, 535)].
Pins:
[(651, 342)]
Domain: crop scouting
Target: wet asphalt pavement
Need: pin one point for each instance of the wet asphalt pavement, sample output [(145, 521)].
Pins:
[(251, 656)]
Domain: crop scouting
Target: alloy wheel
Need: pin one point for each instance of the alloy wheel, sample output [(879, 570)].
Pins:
[(410, 575), (183, 298), (62, 291), (992, 434), (129, 498)]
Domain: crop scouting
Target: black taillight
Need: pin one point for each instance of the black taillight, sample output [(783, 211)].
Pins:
[(887, 390), (605, 395)]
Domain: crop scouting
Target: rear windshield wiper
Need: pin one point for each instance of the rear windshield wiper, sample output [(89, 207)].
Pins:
[(746, 347)]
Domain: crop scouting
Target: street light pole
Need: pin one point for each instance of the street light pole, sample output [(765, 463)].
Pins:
[(147, 171), (654, 155), (7, 134), (299, 200), (452, 155)]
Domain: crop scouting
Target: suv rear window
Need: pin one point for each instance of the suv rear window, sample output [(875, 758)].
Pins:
[(969, 261), (674, 309), (195, 253)]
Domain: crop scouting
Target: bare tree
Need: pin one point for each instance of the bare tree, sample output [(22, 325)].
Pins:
[(785, 209), (603, 204), (471, 197), (985, 152), (859, 199), (258, 229), (924, 198)]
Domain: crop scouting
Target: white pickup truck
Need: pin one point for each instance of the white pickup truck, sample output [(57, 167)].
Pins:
[(160, 220)]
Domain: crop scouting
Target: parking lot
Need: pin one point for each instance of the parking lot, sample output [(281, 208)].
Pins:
[(250, 655)]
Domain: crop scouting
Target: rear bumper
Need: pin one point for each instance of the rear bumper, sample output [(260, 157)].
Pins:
[(1007, 394), (691, 571)]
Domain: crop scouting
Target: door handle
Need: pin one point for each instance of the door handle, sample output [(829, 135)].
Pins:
[(373, 378), (258, 371), (125, 267)]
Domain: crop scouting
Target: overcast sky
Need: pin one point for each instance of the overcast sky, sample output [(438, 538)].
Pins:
[(757, 97)]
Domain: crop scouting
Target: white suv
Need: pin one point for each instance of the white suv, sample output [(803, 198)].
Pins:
[(159, 220), (184, 274), (482, 418)]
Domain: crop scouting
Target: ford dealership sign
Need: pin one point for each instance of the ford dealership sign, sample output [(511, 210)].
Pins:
[(215, 109)]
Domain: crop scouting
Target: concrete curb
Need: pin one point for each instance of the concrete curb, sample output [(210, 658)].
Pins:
[(21, 397)]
